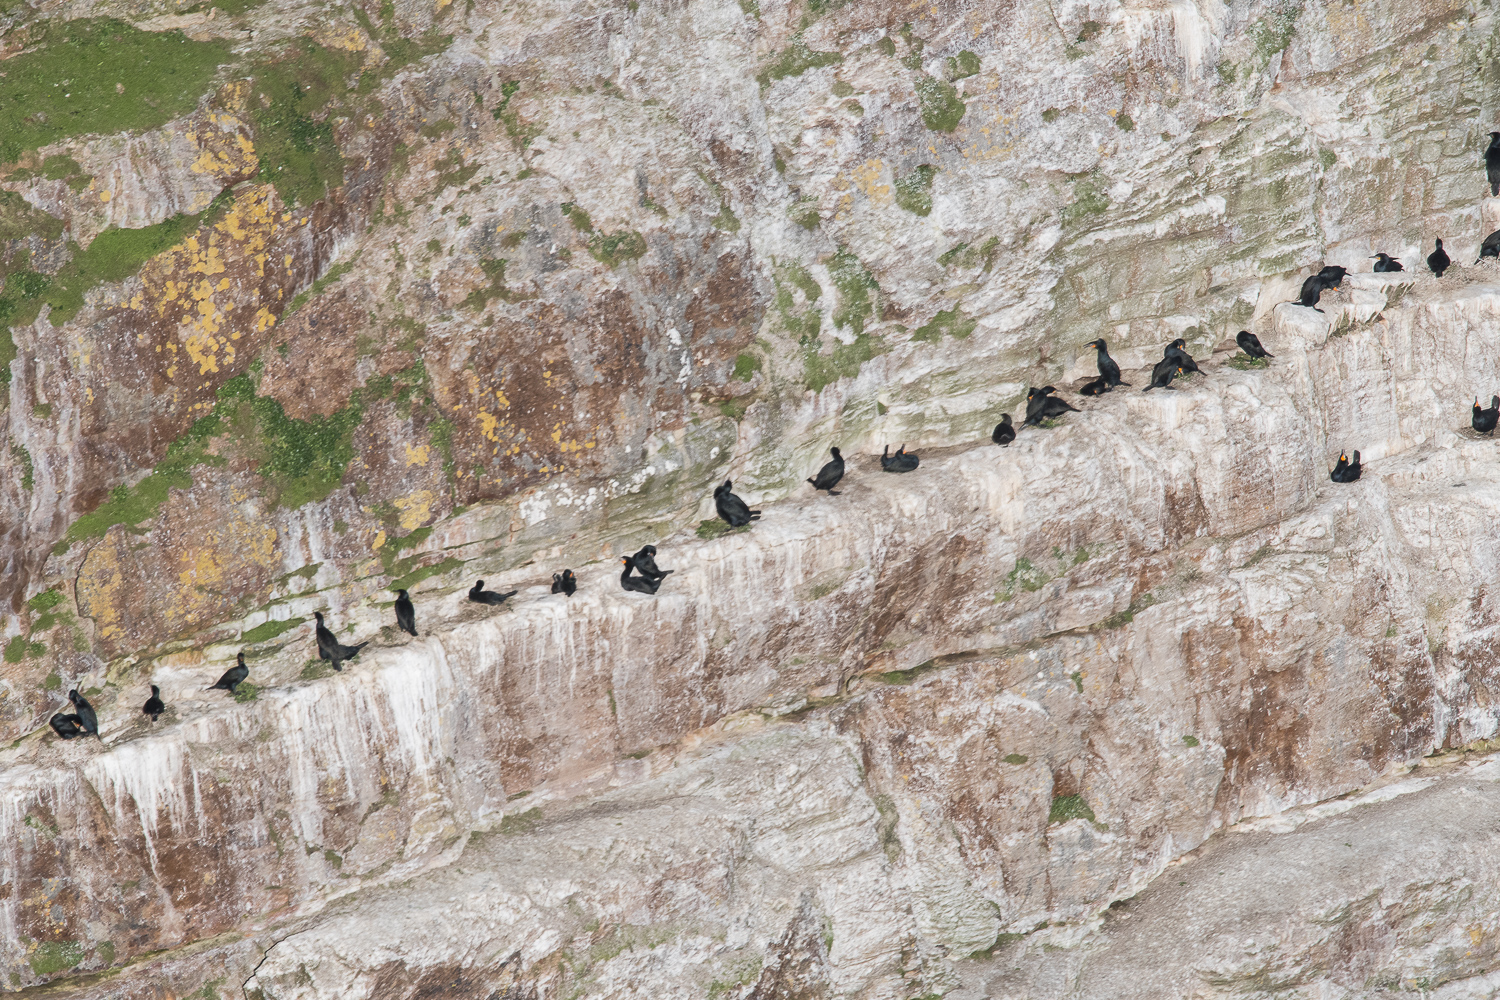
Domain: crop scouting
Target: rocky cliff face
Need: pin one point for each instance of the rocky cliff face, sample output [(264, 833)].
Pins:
[(354, 298)]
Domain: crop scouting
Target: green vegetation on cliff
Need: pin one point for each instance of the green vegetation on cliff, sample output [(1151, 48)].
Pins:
[(98, 76), (301, 460)]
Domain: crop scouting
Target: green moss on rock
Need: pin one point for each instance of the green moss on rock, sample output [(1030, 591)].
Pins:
[(1066, 808), (942, 108), (913, 191), (948, 322), (794, 60)]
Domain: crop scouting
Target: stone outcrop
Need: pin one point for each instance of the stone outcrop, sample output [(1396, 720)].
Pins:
[(477, 291)]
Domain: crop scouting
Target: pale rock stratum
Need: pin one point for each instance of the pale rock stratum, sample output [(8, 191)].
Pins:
[(359, 296)]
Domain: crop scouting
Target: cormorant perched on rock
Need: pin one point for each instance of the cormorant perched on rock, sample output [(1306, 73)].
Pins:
[(1490, 247), (154, 705), (237, 673), (1004, 432), (1108, 369), (1347, 470), (645, 563), (479, 595), (1492, 164), (639, 584), (1044, 406), (1035, 400), (1162, 375), (564, 583), (1098, 387), (1485, 420), (899, 462), (1250, 344), (829, 475), (1312, 290), (1385, 263), (406, 614), (1437, 261), (1177, 351), (734, 511), (67, 727), (331, 649), (86, 717), (1332, 275)]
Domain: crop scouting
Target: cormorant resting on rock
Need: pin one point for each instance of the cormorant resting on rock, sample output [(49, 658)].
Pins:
[(732, 509), (1490, 247), (1437, 261), (899, 462), (406, 615), (1492, 164), (86, 717), (1485, 420), (644, 562), (237, 673), (639, 584), (1177, 351), (479, 595), (1346, 470), (1035, 400), (1250, 344), (1332, 275), (564, 583), (1108, 369), (1162, 375), (66, 726), (1098, 387), (154, 705), (1041, 405), (1004, 432), (829, 475), (1385, 263), (1312, 290), (329, 647)]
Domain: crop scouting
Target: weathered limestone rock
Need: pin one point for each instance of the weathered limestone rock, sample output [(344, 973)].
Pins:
[(485, 290)]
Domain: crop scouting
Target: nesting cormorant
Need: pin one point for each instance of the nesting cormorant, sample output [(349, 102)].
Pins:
[(1162, 375), (1347, 470), (899, 462), (406, 614), (1035, 400), (1250, 344), (1484, 420), (1109, 370), (331, 649), (645, 563), (639, 584), (1385, 263), (479, 595), (234, 675), (154, 705), (67, 727), (732, 510), (1490, 247), (1437, 261), (1177, 351), (1492, 164), (1098, 387), (829, 475), (1004, 432), (86, 717)]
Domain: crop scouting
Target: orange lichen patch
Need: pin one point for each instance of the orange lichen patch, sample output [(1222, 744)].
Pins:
[(416, 509), (418, 455), (210, 314), (340, 35)]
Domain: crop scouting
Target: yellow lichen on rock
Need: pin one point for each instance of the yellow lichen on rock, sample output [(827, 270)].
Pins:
[(415, 509)]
